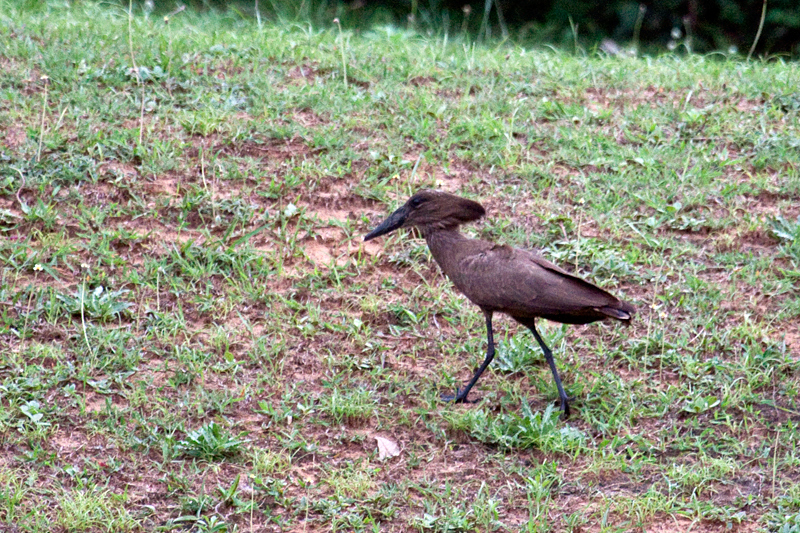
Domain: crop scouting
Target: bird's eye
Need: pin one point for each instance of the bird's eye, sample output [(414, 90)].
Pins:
[(416, 202)]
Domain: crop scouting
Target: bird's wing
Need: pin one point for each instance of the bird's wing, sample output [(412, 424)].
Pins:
[(522, 283)]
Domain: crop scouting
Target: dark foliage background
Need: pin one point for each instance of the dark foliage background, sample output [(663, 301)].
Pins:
[(699, 26)]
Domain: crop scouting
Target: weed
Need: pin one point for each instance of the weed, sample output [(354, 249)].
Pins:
[(511, 430), (211, 443)]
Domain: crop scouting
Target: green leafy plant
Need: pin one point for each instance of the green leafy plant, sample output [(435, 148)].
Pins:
[(211, 443), (528, 430), (700, 404), (99, 303)]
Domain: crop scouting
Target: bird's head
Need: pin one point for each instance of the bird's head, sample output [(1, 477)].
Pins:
[(429, 211)]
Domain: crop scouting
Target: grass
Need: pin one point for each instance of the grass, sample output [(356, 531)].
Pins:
[(194, 336)]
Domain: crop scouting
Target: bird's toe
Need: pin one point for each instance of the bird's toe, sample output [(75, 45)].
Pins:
[(565, 408)]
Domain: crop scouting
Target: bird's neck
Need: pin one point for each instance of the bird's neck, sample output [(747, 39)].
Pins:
[(443, 244)]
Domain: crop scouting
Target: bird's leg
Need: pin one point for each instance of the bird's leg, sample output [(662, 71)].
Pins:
[(548, 355), (461, 395)]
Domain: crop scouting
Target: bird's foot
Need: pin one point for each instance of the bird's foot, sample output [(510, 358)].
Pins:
[(565, 406), (458, 397)]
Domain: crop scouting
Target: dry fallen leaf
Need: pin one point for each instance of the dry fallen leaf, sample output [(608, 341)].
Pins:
[(387, 448)]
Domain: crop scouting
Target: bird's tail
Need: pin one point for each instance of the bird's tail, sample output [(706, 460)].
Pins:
[(622, 311)]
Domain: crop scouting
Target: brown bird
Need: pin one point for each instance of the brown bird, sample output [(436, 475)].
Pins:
[(500, 278)]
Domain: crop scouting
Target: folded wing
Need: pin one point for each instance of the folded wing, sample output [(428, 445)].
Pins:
[(523, 284)]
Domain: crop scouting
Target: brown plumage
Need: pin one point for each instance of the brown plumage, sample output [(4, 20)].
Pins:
[(500, 278)]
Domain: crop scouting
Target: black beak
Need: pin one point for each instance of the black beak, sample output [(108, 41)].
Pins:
[(395, 220)]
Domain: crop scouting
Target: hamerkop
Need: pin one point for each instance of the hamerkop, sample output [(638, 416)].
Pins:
[(499, 278)]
